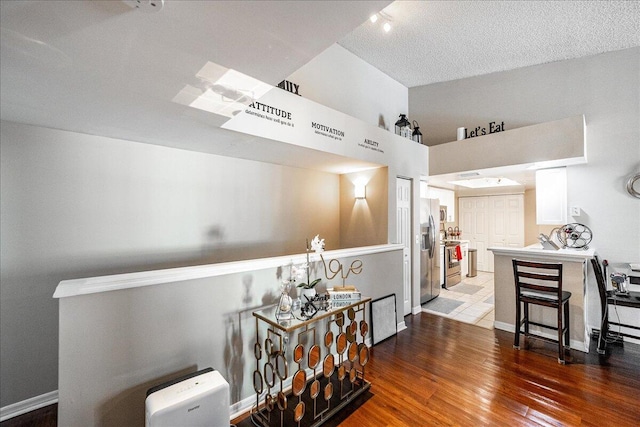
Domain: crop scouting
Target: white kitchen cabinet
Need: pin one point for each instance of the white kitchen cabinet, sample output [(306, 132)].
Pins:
[(447, 198), (551, 196)]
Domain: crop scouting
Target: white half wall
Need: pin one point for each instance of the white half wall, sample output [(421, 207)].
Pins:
[(115, 345), (76, 205)]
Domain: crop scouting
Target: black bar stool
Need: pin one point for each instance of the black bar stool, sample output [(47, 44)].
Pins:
[(610, 297), (541, 284)]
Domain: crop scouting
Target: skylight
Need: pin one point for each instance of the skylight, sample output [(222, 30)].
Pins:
[(485, 182), (224, 91)]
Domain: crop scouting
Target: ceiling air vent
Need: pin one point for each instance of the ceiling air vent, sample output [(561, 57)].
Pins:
[(145, 5)]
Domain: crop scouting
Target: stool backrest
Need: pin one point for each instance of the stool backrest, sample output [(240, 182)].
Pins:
[(537, 277), (600, 271)]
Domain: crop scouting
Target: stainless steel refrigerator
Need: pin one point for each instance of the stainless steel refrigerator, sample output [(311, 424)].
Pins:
[(429, 249)]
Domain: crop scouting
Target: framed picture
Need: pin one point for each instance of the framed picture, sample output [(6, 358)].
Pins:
[(383, 318)]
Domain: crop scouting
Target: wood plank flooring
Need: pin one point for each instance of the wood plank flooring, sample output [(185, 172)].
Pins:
[(440, 372)]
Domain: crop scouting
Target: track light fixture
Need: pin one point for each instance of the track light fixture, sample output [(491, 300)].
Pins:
[(383, 17)]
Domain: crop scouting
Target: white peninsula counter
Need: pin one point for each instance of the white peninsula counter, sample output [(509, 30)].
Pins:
[(574, 279)]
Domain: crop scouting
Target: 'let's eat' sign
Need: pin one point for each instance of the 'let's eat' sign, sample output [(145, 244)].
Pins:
[(481, 130)]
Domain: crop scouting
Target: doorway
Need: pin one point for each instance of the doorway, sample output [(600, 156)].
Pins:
[(403, 233)]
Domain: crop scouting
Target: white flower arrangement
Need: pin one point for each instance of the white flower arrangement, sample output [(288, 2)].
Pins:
[(317, 245)]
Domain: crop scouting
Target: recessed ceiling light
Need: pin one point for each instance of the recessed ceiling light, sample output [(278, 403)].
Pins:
[(386, 27), (373, 19)]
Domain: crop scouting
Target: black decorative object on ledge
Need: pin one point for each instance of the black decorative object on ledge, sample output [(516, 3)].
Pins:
[(416, 135), (403, 126)]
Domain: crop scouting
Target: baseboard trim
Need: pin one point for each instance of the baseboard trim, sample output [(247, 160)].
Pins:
[(31, 404), (574, 344), (401, 326), (37, 402), (241, 407)]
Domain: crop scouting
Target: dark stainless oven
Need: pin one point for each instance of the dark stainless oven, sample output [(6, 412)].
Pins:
[(451, 266)]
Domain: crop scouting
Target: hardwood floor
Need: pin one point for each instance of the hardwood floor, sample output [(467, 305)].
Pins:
[(440, 372)]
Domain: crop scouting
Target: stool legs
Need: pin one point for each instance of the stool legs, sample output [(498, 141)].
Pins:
[(604, 329), (516, 340), (564, 337), (561, 309), (567, 340), (563, 331)]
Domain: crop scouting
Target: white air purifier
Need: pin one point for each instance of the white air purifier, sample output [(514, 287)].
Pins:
[(194, 400)]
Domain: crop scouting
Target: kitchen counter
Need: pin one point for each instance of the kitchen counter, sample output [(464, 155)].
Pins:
[(454, 241), (537, 252), (574, 275)]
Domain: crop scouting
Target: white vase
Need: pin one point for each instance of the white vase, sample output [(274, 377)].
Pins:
[(309, 293)]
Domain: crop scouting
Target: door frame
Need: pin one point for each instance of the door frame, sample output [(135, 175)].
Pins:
[(408, 251)]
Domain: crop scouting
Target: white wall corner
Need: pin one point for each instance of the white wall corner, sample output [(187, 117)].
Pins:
[(340, 80)]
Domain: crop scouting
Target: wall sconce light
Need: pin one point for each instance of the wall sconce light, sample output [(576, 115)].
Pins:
[(416, 135), (360, 190)]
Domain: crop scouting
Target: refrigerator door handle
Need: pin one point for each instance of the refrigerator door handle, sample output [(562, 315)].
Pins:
[(432, 237)]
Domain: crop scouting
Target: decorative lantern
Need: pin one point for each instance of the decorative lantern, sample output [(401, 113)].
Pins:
[(403, 126), (416, 135)]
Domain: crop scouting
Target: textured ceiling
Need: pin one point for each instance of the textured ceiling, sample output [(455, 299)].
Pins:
[(105, 68), (435, 41)]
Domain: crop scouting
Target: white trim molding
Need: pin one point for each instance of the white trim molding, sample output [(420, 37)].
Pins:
[(28, 405), (536, 252), (401, 326), (574, 344), (91, 285)]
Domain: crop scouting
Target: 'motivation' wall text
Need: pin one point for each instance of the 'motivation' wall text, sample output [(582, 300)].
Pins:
[(327, 131)]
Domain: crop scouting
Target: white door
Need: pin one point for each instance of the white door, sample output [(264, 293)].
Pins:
[(497, 226), (492, 221), (403, 233), (474, 224), (506, 227), (515, 221)]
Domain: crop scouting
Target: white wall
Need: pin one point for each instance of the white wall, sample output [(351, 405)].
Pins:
[(606, 89), (76, 205), (113, 206), (340, 80)]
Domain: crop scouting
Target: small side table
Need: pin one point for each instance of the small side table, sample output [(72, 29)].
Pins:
[(308, 370)]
